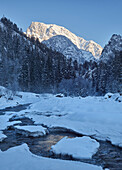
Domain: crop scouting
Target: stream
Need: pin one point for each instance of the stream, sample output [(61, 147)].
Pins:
[(14, 108), (107, 156)]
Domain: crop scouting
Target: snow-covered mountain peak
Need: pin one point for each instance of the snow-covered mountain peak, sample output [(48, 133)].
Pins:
[(46, 31)]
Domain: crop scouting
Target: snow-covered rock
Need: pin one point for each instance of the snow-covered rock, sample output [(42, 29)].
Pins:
[(79, 147), (4, 121), (34, 131), (59, 95), (113, 96), (46, 31), (108, 95), (8, 94), (20, 158)]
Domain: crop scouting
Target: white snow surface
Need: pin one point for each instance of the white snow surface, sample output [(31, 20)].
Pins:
[(16, 99), (33, 130), (89, 116), (2, 136), (46, 31), (79, 147), (20, 158)]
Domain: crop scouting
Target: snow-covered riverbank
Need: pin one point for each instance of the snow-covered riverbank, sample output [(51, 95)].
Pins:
[(96, 117)]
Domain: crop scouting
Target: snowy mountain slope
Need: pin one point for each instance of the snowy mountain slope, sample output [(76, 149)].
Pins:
[(46, 31), (114, 46), (63, 45)]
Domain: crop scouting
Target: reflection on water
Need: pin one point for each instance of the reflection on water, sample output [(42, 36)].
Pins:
[(38, 145)]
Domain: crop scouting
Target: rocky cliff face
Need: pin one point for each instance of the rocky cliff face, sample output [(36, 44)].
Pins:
[(113, 47), (108, 73), (63, 45)]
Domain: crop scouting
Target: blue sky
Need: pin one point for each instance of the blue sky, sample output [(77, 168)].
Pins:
[(91, 19)]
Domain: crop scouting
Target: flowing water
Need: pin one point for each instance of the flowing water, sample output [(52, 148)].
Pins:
[(107, 156)]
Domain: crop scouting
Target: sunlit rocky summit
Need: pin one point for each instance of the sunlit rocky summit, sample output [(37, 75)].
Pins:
[(44, 32)]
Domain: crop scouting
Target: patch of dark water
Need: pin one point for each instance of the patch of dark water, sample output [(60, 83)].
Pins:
[(38, 145), (25, 120), (17, 108)]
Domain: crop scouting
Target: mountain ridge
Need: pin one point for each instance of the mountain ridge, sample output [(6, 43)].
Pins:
[(65, 46), (44, 31)]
